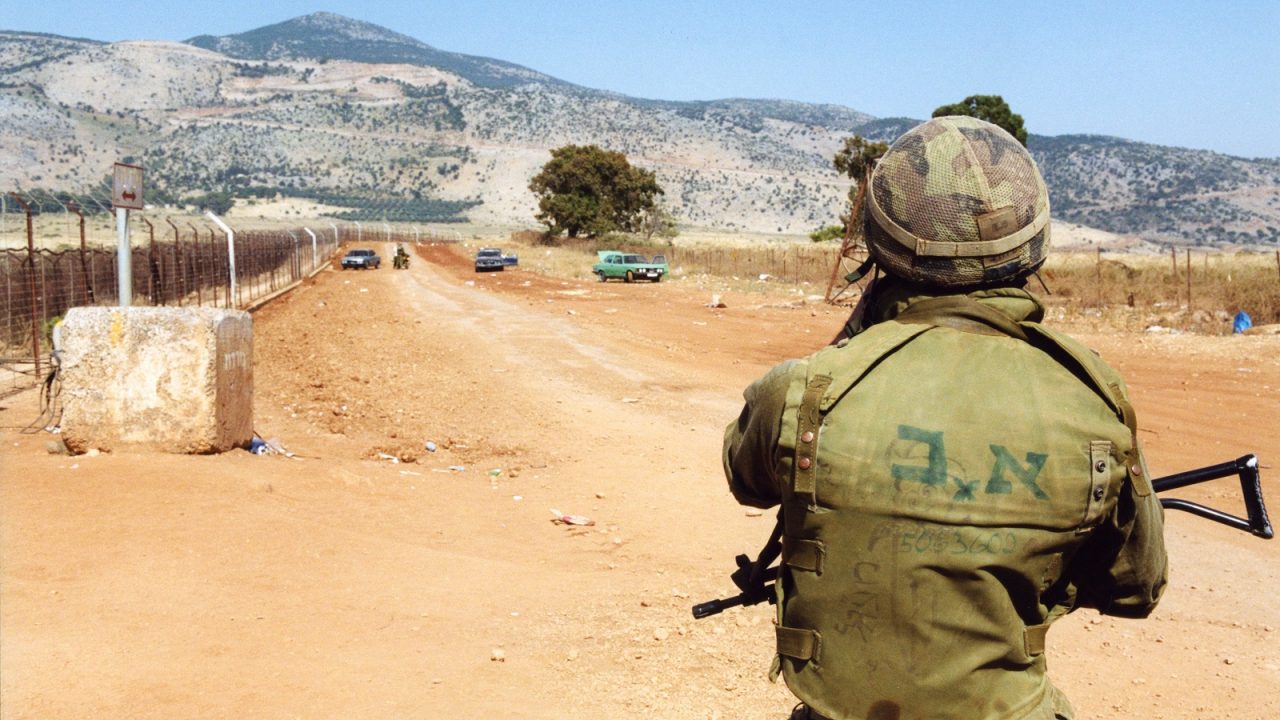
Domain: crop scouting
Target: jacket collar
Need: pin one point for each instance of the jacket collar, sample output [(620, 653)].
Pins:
[(895, 296)]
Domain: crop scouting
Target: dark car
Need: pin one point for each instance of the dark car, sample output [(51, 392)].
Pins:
[(489, 259), (361, 259)]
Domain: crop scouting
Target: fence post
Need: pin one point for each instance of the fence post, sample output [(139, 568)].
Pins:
[(315, 256), (213, 269), (1098, 268), (153, 266), (84, 270), (31, 281), (195, 260), (1188, 279), (231, 254), (180, 285)]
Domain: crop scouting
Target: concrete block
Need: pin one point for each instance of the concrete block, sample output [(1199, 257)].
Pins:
[(173, 379)]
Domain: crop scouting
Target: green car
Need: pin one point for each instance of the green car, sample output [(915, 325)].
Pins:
[(628, 266)]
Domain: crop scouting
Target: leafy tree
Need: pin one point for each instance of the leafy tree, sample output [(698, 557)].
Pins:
[(827, 233), (586, 189), (657, 220), (856, 159), (219, 202), (991, 108)]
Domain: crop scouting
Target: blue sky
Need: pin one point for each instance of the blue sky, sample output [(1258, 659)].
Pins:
[(1191, 74)]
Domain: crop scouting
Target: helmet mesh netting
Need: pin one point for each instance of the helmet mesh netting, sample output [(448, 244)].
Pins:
[(935, 180)]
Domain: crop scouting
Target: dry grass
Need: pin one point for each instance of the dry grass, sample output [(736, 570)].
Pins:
[(1118, 290), (1139, 291), (801, 269)]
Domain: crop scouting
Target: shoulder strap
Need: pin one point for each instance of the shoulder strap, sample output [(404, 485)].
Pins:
[(829, 375), (846, 365)]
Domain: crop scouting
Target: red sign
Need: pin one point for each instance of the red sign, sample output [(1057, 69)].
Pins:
[(126, 187)]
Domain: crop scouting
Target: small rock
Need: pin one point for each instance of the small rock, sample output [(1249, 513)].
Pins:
[(498, 655), (93, 452), (755, 512), (431, 447), (573, 654), (1228, 661), (661, 634)]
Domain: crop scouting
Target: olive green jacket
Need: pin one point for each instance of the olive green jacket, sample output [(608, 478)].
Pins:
[(953, 479)]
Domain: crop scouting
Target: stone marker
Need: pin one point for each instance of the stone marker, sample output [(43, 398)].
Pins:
[(174, 379)]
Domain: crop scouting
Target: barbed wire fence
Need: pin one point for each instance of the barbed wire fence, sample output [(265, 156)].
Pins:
[(57, 253)]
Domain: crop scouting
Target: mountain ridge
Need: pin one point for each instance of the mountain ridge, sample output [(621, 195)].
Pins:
[(294, 38), (254, 113)]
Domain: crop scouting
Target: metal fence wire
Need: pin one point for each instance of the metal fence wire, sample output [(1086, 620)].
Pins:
[(174, 263)]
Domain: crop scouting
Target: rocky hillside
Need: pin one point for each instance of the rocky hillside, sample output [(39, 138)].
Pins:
[(399, 129)]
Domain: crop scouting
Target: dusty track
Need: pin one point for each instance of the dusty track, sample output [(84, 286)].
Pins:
[(344, 585)]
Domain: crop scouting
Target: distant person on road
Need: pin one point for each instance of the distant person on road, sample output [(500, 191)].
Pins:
[(953, 476)]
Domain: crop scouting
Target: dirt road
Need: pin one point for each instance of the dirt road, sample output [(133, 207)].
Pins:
[(341, 583)]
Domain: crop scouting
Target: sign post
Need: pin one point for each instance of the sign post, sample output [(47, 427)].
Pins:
[(126, 195)]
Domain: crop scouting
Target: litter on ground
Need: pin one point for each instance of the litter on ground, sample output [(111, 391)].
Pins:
[(562, 519)]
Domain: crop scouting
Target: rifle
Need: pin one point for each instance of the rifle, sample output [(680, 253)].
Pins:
[(755, 579)]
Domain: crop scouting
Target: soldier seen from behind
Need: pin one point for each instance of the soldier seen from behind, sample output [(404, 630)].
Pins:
[(953, 476)]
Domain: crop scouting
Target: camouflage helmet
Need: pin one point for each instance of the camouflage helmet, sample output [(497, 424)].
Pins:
[(957, 202)]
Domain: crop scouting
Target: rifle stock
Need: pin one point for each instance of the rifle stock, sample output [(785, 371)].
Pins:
[(1246, 467), (751, 577)]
